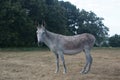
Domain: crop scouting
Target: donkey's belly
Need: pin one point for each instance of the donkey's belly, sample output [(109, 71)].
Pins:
[(70, 52)]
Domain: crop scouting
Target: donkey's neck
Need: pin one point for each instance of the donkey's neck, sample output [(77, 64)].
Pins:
[(49, 38)]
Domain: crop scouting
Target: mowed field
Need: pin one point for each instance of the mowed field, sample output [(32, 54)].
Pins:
[(40, 65)]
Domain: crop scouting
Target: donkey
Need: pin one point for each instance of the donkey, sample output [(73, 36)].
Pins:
[(70, 45)]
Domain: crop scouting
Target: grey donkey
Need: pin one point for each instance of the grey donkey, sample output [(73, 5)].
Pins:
[(69, 45)]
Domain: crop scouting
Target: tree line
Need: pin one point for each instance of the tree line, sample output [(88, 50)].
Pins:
[(19, 18)]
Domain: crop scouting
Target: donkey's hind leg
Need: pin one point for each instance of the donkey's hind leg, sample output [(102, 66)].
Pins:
[(87, 66)]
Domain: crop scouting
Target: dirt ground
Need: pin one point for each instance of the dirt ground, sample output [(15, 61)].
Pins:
[(40, 65)]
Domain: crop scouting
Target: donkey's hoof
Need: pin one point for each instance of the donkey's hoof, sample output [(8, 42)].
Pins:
[(85, 72), (64, 72), (82, 71), (56, 72)]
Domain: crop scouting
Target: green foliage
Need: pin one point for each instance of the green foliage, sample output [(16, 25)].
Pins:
[(90, 23), (114, 41), (15, 26), (18, 19), (55, 18), (71, 14), (81, 21)]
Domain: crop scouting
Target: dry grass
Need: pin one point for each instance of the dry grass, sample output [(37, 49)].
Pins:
[(40, 65)]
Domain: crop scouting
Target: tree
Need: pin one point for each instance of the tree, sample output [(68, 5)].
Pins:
[(90, 23), (18, 17), (16, 28), (114, 40), (55, 18), (81, 21), (71, 14)]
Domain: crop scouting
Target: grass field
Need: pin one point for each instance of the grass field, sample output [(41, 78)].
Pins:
[(40, 65)]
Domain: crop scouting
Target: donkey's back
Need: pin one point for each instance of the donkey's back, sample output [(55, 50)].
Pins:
[(76, 43)]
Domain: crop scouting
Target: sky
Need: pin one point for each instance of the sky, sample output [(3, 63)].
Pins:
[(108, 9)]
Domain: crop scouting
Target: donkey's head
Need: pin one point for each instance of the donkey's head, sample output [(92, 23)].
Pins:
[(40, 32)]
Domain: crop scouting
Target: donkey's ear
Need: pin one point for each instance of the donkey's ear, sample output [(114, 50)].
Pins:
[(43, 23), (37, 24)]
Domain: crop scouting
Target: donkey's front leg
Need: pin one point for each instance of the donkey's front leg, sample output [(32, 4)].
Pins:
[(57, 63), (63, 61)]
